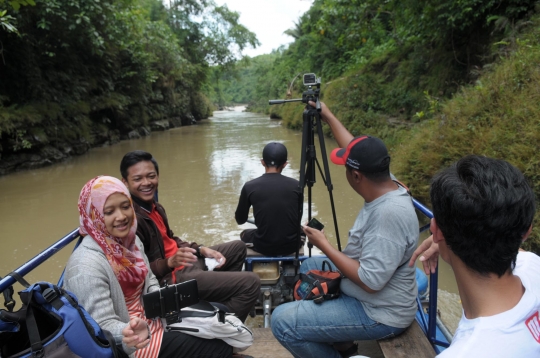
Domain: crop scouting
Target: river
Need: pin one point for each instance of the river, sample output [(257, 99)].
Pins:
[(202, 170)]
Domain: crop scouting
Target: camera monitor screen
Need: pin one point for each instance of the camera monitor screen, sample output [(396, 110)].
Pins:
[(172, 298)]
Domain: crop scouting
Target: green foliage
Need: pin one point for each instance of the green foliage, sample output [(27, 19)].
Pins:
[(7, 22), (243, 83), (498, 117), (396, 50), (95, 69)]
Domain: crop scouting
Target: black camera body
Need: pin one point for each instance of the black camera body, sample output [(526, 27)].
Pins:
[(310, 95), (169, 300), (315, 224)]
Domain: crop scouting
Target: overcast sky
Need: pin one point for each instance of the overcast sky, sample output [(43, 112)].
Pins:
[(268, 19)]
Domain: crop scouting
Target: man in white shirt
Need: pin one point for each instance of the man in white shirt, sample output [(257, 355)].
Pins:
[(483, 210)]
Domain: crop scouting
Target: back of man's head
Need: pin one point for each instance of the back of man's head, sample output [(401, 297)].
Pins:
[(483, 207), (134, 157), (274, 154)]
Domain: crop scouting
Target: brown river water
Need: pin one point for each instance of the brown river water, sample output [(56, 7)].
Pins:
[(202, 170)]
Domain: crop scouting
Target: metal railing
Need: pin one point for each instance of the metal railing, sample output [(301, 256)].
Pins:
[(433, 285), (39, 259)]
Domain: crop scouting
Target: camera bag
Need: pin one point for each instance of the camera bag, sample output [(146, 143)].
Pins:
[(204, 320), (51, 324), (318, 285)]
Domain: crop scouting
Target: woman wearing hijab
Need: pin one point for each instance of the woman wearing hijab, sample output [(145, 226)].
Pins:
[(109, 273)]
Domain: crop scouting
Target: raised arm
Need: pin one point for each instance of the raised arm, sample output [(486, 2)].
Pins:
[(342, 135)]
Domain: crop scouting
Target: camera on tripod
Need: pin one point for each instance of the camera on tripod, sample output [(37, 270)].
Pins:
[(311, 94), (311, 123)]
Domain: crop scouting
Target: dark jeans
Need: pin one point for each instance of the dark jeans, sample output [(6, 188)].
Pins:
[(236, 289), (177, 344)]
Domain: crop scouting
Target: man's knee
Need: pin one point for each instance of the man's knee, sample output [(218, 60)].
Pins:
[(240, 247), (252, 283), (282, 318)]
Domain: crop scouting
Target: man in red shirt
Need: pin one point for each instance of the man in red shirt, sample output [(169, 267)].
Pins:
[(173, 260)]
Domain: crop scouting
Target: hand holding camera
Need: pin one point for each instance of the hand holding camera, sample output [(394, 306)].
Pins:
[(314, 233), (315, 224)]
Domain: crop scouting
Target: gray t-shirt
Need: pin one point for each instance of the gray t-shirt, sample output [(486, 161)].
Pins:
[(383, 239)]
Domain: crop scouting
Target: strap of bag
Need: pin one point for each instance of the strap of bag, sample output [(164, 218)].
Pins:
[(189, 313), (33, 333), (19, 279), (31, 325), (9, 302), (118, 351), (403, 186), (325, 262)]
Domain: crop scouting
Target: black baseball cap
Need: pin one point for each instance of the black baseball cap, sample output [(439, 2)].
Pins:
[(364, 153), (274, 154)]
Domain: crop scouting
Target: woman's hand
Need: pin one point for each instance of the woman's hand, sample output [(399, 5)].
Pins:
[(208, 252), (136, 333), (184, 256), (430, 255)]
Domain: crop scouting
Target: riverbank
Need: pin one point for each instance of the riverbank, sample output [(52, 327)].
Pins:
[(42, 152)]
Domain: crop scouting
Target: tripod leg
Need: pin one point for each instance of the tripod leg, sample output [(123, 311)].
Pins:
[(303, 158), (328, 180), (306, 129)]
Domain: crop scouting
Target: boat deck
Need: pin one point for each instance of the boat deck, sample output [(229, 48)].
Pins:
[(411, 343), (265, 345)]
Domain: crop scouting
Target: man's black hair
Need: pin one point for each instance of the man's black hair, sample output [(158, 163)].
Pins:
[(483, 207), (134, 157), (376, 177)]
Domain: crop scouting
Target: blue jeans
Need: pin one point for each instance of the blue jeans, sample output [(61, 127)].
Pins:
[(308, 329)]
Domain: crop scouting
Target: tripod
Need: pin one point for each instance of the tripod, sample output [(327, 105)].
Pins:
[(311, 120)]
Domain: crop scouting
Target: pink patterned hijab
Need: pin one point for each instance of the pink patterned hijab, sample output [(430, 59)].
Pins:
[(123, 255)]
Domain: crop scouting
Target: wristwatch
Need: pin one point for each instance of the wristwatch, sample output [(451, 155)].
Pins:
[(199, 251)]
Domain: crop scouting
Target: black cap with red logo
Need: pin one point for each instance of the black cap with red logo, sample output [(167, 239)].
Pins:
[(364, 153)]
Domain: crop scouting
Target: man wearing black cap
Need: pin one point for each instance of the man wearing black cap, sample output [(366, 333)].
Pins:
[(378, 291), (275, 199)]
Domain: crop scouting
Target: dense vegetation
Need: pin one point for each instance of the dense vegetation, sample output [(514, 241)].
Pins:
[(79, 73), (435, 79)]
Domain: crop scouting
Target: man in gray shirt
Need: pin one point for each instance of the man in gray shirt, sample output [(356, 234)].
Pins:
[(379, 288)]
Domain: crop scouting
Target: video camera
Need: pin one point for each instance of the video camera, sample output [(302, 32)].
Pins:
[(168, 301), (311, 94)]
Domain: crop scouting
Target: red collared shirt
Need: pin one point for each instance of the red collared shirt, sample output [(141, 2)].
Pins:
[(169, 244)]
